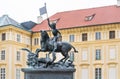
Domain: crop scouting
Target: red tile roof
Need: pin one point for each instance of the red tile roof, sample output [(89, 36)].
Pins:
[(76, 18)]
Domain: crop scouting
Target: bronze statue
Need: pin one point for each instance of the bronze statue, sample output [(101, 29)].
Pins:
[(34, 61), (51, 45), (62, 47), (32, 57), (55, 32)]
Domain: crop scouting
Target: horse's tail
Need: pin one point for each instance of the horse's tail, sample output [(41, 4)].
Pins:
[(74, 49)]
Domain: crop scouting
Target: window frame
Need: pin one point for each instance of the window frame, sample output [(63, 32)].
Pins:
[(97, 35), (2, 73), (98, 73), (71, 38), (17, 73), (84, 55), (36, 41), (18, 38), (18, 56), (2, 54), (98, 54), (3, 36), (112, 53), (84, 36), (112, 34), (89, 18)]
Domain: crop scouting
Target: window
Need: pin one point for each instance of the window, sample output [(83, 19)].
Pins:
[(98, 54), (85, 74), (17, 73), (3, 55), (84, 55), (18, 38), (112, 53), (89, 18), (71, 37), (97, 35), (111, 34), (18, 55), (98, 73), (36, 41), (27, 40), (84, 37), (2, 73), (3, 36), (112, 73)]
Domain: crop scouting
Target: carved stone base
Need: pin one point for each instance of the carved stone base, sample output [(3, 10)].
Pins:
[(48, 73)]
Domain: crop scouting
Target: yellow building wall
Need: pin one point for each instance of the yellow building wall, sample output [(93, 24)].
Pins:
[(105, 44), (11, 46)]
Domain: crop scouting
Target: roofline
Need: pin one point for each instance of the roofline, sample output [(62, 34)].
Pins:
[(81, 26), (14, 26)]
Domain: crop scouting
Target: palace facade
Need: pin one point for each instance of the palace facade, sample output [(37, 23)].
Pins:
[(94, 32), (13, 37)]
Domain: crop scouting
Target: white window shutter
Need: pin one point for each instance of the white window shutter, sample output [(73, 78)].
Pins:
[(84, 55), (85, 74), (112, 73), (112, 53)]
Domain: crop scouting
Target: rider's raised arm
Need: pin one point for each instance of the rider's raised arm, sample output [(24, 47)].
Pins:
[(52, 25), (48, 22)]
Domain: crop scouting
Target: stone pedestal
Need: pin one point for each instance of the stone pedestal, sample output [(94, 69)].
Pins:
[(48, 73)]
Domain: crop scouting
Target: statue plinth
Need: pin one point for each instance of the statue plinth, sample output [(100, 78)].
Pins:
[(48, 73)]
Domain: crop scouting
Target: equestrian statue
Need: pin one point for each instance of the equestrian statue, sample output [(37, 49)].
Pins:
[(52, 45), (55, 45)]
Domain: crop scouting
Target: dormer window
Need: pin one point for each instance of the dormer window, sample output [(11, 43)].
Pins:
[(89, 18)]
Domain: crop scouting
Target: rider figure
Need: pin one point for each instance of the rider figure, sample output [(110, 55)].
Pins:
[(43, 43), (55, 32)]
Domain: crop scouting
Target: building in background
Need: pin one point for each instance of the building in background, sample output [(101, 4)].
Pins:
[(94, 32), (13, 37)]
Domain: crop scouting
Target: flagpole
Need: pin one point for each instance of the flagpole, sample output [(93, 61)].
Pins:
[(47, 16), (46, 11)]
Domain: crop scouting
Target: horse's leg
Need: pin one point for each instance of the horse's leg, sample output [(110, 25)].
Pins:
[(61, 59), (55, 47), (53, 52), (66, 57), (54, 56)]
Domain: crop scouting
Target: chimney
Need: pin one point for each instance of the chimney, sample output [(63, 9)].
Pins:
[(118, 3), (39, 19)]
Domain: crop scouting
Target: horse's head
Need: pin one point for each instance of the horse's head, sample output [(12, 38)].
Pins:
[(44, 34)]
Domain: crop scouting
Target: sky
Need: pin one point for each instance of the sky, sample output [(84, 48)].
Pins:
[(28, 10)]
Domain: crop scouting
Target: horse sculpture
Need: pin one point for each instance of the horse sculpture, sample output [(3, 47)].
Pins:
[(62, 47)]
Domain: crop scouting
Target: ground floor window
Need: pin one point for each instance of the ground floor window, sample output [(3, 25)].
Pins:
[(17, 73), (85, 74), (98, 72), (2, 73), (112, 73)]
